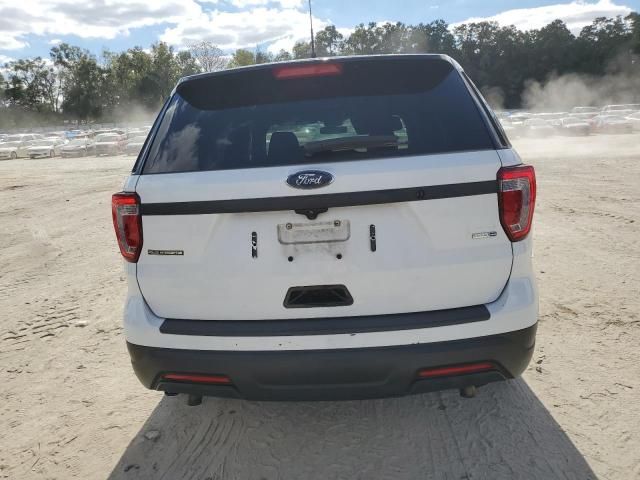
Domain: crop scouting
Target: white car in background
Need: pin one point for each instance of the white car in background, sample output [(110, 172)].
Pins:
[(110, 143), (585, 110), (634, 107), (12, 150), (367, 258), (574, 126), (634, 119), (80, 146), (47, 147), (16, 146), (134, 145), (538, 127), (611, 124)]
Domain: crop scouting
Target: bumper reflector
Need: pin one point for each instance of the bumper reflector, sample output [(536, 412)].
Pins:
[(196, 378), (456, 370)]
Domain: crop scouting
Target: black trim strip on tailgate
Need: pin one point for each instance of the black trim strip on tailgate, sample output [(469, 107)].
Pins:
[(329, 200), (325, 326)]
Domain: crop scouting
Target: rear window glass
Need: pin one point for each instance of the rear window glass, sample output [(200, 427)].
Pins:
[(374, 108)]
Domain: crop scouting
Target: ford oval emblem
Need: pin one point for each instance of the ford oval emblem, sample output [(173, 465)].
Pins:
[(308, 179)]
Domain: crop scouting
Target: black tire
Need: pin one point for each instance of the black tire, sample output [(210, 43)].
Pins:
[(14, 155)]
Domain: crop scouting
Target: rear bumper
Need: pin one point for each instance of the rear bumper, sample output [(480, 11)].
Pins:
[(335, 374)]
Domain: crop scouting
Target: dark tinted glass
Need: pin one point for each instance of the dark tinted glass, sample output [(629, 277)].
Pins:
[(375, 108)]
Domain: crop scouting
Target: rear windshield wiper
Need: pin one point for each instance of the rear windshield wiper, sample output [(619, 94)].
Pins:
[(350, 143)]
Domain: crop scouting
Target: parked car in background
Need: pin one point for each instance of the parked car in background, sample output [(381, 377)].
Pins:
[(134, 145), (587, 110), (58, 134), (554, 119), (611, 124), (136, 132), (574, 126), (538, 127), (585, 117), (634, 107), (11, 150), (46, 147), (15, 146), (519, 117), (78, 147), (634, 119), (111, 143)]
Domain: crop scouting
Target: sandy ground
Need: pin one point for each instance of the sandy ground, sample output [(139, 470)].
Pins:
[(70, 406)]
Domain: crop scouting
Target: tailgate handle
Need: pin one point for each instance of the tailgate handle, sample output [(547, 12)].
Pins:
[(318, 296)]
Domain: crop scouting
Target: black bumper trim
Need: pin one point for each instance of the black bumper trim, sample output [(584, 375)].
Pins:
[(328, 200), (325, 326), (335, 374)]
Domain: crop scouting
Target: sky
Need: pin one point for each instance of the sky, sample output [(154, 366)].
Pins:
[(29, 28)]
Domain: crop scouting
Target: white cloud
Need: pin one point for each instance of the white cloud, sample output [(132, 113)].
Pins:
[(253, 3), (9, 42), (576, 15), (97, 19), (261, 21), (229, 30), (5, 59)]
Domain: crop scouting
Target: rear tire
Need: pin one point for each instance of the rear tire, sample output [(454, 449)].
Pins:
[(14, 155)]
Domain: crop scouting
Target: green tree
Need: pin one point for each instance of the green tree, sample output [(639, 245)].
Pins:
[(302, 49), (165, 72), (83, 93), (433, 37), (328, 42), (34, 85), (634, 19), (241, 58), (282, 56), (263, 57), (365, 40), (187, 64)]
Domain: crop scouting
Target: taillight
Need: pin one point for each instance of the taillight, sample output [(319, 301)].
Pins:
[(456, 370), (305, 71), (125, 210), (516, 199)]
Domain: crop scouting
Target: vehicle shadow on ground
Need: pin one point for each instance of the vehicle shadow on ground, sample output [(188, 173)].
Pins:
[(505, 432)]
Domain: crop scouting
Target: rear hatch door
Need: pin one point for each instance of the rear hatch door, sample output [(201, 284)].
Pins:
[(365, 190)]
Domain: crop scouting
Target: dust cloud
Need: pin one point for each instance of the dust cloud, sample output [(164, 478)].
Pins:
[(133, 113), (561, 93)]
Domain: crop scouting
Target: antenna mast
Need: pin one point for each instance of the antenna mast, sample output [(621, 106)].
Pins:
[(313, 43)]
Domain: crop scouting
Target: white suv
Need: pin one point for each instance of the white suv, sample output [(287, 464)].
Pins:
[(328, 229)]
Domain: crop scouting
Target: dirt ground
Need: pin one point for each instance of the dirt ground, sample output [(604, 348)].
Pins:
[(70, 406)]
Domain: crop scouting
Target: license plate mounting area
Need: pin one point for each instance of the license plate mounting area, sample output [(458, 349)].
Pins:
[(316, 232)]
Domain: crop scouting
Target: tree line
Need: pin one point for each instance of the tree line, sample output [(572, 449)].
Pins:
[(74, 84)]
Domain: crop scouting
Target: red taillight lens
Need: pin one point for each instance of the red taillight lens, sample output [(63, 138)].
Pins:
[(516, 199), (125, 210), (303, 71), (196, 378), (456, 370)]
